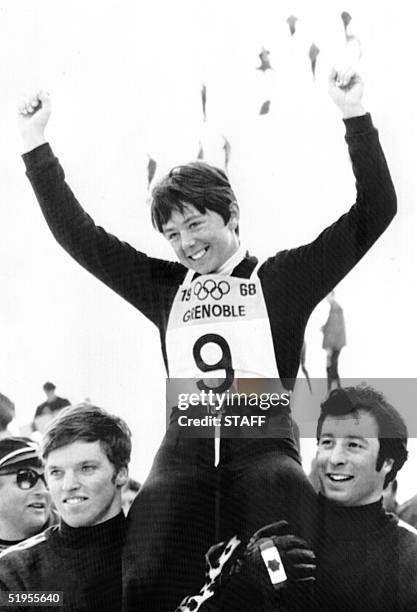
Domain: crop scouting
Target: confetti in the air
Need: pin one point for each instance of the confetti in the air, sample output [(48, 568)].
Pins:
[(200, 154), (227, 150), (313, 53), (354, 44), (346, 18), (265, 107), (204, 100), (151, 169), (265, 63), (291, 22)]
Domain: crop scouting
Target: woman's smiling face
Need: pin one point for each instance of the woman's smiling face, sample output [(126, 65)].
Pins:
[(202, 241)]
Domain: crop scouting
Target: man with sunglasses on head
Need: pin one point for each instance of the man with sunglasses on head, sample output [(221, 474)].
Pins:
[(25, 502), (86, 452)]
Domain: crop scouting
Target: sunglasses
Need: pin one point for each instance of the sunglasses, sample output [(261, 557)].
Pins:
[(25, 478)]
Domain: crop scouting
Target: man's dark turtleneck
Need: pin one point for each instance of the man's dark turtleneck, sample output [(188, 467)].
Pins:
[(84, 563), (96, 551), (361, 556), (106, 534), (352, 522)]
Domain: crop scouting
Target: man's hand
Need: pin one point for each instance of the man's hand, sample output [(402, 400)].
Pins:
[(249, 586), (346, 90), (34, 113), (237, 578), (298, 560), (297, 592)]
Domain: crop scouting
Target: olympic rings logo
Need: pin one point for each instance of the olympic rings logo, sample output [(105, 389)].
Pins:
[(210, 288)]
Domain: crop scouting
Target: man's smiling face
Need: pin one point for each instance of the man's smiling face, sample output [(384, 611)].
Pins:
[(202, 241), (346, 456), (84, 484)]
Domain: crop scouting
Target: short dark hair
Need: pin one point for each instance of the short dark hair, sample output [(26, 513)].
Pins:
[(90, 424), (6, 411), (392, 430), (48, 386), (198, 183)]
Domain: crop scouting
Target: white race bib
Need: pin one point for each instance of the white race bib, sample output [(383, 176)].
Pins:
[(218, 325)]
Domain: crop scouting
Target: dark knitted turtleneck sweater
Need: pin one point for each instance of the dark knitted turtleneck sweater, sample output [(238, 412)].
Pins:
[(84, 563), (366, 560)]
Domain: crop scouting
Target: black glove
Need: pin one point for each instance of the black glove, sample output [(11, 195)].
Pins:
[(248, 587), (237, 579), (298, 560)]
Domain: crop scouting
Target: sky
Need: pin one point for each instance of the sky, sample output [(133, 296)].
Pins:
[(125, 80)]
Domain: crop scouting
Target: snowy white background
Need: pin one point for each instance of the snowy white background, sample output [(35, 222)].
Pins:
[(125, 79)]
